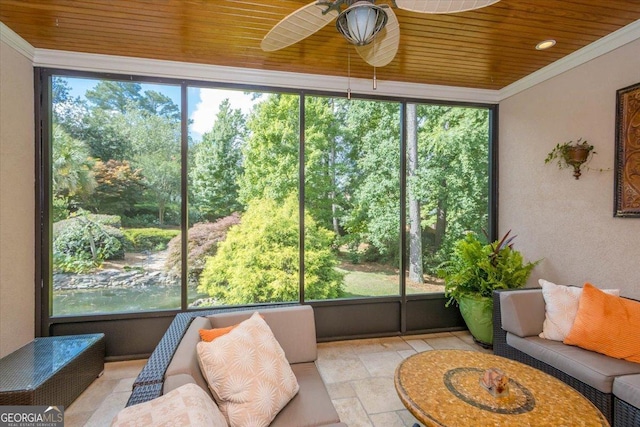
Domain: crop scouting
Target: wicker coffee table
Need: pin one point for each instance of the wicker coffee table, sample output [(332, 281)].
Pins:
[(442, 388)]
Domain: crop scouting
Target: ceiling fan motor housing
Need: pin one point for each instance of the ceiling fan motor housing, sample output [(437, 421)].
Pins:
[(361, 21)]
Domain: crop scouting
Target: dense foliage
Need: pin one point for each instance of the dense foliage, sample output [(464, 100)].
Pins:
[(84, 241), (259, 261), (148, 239), (203, 240), (217, 166), (478, 268), (118, 151)]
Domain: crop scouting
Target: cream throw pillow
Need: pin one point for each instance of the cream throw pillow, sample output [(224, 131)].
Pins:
[(248, 373), (561, 306), (187, 405)]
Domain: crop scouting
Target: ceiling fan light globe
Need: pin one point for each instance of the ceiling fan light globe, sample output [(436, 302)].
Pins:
[(360, 22)]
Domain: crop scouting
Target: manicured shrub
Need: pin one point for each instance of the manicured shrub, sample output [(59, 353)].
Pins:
[(259, 259), (83, 242), (109, 220), (148, 239), (202, 242), (140, 220)]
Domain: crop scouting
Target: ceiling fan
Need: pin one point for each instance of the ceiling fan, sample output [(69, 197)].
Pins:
[(373, 29)]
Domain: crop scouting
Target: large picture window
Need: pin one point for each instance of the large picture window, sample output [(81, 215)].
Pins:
[(175, 195), (352, 195), (243, 198), (447, 186), (114, 196)]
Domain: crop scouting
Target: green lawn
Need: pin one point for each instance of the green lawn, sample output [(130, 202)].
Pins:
[(358, 282)]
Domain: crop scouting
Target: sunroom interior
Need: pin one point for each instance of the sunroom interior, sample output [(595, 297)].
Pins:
[(485, 58)]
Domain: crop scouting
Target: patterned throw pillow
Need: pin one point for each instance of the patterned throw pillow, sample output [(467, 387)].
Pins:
[(561, 306), (248, 373), (188, 405)]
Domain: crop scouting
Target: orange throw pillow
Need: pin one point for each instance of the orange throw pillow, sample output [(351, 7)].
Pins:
[(209, 335), (607, 324)]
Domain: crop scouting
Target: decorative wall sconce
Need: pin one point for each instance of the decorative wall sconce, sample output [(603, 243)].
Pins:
[(570, 154)]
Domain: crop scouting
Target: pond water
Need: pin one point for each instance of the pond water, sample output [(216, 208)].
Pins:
[(97, 301), (136, 283)]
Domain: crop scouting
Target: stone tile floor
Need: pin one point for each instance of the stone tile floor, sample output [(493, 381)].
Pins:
[(358, 375)]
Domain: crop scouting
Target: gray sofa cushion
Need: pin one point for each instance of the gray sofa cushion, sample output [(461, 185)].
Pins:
[(627, 388), (594, 369), (522, 312), (312, 403), (294, 328)]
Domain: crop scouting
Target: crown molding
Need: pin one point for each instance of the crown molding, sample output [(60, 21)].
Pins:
[(598, 48), (8, 36), (220, 74)]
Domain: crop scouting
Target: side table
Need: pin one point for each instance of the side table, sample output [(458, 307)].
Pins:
[(51, 370)]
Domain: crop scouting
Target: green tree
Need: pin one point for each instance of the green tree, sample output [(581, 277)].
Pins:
[(414, 220), (155, 141), (114, 95), (121, 96), (375, 184), (328, 159), (66, 110), (217, 165), (71, 165), (452, 180), (271, 152), (271, 155), (259, 259), (106, 133), (118, 186), (105, 126)]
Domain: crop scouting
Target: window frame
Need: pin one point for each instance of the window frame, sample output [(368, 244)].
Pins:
[(334, 318)]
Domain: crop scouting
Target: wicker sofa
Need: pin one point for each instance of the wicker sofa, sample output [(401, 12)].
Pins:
[(613, 385), (174, 361)]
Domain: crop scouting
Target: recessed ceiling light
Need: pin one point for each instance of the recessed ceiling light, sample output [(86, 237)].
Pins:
[(545, 44)]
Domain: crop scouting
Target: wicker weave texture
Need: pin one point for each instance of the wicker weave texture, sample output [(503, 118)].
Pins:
[(625, 415), (35, 375), (144, 393)]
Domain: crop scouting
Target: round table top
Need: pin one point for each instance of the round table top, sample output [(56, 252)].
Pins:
[(442, 388)]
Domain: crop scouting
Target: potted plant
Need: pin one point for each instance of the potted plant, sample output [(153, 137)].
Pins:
[(474, 271), (571, 154)]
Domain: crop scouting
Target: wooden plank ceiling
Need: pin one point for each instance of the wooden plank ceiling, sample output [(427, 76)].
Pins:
[(487, 48)]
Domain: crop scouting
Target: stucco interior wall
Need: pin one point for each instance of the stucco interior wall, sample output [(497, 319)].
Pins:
[(17, 293), (566, 222)]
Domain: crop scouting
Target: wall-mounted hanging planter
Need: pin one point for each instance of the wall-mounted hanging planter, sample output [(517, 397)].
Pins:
[(570, 154)]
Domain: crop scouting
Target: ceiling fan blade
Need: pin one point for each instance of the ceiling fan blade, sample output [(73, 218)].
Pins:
[(385, 45), (443, 6), (297, 26)]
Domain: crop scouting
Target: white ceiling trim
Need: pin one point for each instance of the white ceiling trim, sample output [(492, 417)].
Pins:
[(8, 36), (600, 47), (191, 71)]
